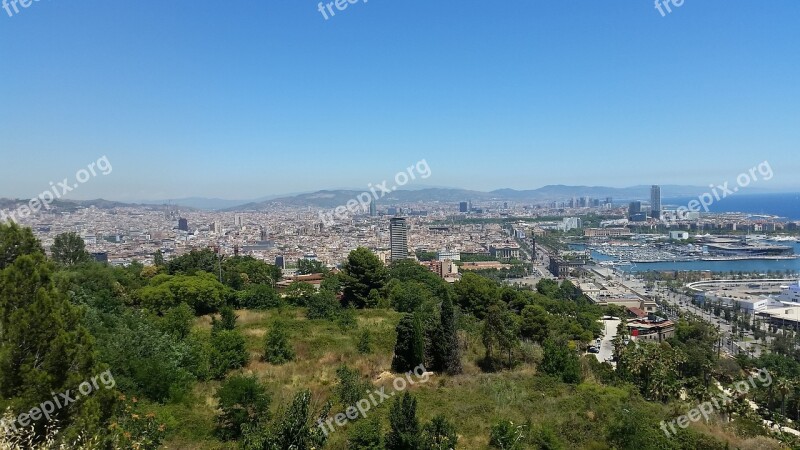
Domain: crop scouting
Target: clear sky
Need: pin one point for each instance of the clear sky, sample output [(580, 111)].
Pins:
[(243, 99)]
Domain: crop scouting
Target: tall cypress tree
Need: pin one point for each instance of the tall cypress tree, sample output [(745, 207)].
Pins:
[(447, 353), (409, 350)]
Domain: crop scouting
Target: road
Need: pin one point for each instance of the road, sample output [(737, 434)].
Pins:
[(606, 346)]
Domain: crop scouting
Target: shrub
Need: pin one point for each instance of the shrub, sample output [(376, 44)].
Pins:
[(228, 351), (277, 349), (507, 436), (259, 296), (242, 400)]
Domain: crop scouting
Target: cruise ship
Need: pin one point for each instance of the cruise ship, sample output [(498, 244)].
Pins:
[(790, 294)]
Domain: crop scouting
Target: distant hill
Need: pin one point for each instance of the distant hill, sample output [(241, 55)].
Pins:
[(333, 198)]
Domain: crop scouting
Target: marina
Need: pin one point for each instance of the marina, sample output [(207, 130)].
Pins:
[(642, 257)]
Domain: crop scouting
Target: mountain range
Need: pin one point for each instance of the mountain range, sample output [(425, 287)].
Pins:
[(336, 197)]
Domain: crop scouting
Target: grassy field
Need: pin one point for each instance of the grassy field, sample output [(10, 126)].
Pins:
[(473, 401)]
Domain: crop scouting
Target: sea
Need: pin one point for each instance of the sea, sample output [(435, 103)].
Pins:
[(786, 205)]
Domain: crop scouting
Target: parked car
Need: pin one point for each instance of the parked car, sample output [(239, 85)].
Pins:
[(594, 349)]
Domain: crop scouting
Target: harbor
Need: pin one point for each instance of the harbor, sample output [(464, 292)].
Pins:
[(765, 256)]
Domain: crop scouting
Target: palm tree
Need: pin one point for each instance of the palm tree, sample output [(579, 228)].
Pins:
[(784, 387), (796, 386)]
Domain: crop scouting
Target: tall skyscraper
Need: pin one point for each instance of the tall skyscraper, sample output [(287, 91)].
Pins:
[(463, 207), (655, 202), (183, 224), (398, 238), (280, 261), (373, 209), (264, 234)]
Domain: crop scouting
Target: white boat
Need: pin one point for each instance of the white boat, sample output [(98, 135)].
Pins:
[(790, 293)]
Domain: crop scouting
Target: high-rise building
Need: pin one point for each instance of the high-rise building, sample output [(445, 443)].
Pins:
[(373, 209), (463, 207), (398, 238), (264, 234), (634, 208), (183, 224), (280, 261), (655, 202)]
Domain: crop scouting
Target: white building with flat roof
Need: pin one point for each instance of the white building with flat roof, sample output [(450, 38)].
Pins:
[(679, 235), (448, 255)]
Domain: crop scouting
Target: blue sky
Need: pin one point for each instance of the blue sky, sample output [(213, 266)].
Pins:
[(248, 98)]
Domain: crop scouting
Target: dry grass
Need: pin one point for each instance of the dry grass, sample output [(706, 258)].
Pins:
[(473, 401)]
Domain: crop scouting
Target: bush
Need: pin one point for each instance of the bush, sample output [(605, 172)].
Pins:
[(177, 321), (351, 387), (439, 434), (323, 305), (228, 351), (259, 296), (227, 320), (404, 434), (561, 362), (507, 436), (277, 349), (366, 435), (242, 400), (364, 345), (346, 319)]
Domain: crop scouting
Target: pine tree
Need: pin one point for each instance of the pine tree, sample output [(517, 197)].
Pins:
[(361, 273), (15, 242), (69, 249), (43, 346)]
